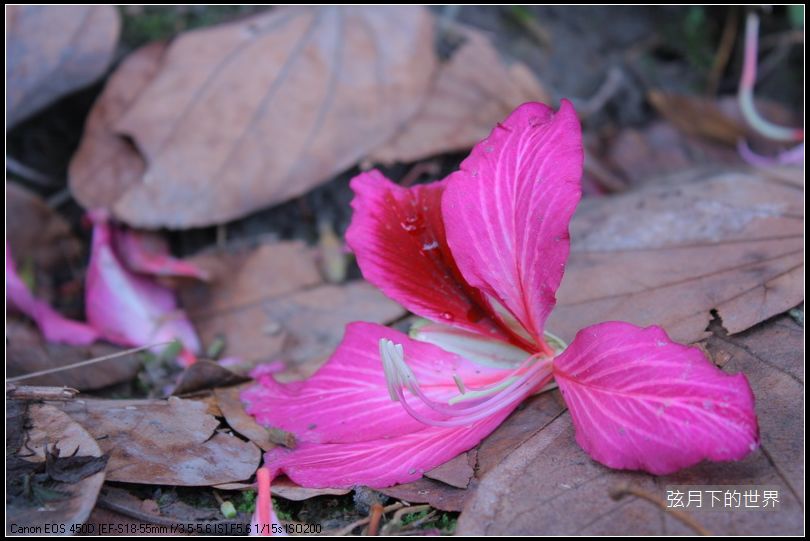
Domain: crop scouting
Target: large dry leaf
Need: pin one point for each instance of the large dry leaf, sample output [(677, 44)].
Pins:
[(27, 352), (54, 50), (164, 442), (525, 422), (549, 485), (106, 165), (50, 429), (671, 254), (473, 90), (252, 113), (268, 302)]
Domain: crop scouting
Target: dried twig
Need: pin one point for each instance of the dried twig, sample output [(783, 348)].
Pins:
[(625, 490), (82, 363), (347, 530), (32, 392), (724, 51)]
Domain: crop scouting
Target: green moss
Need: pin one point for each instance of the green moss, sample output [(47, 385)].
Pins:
[(142, 24), (246, 502)]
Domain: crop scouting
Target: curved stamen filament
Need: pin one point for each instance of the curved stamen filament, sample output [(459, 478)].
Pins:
[(532, 374)]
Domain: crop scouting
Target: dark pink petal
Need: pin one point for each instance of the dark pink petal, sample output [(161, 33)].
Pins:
[(148, 253), (347, 400), (381, 462), (642, 402), (397, 235), (506, 212), (54, 326), (127, 308)]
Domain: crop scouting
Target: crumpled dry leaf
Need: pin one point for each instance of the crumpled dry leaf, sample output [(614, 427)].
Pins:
[(68, 503), (164, 442), (669, 255), (54, 50), (473, 90), (247, 114), (269, 302), (105, 165), (27, 351), (548, 485), (238, 419)]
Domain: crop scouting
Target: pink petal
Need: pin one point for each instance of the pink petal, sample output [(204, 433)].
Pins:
[(148, 253), (381, 462), (642, 402), (507, 210), (397, 235), (347, 400), (54, 326), (127, 308)]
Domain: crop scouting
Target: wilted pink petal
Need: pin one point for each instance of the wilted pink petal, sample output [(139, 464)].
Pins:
[(642, 402), (54, 326), (506, 212), (381, 462), (398, 238), (148, 253), (348, 400), (127, 308)]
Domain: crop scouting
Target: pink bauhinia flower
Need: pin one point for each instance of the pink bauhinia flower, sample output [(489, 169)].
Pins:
[(480, 255), (128, 308), (54, 326)]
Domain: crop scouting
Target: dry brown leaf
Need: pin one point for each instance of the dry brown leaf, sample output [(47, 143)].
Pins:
[(203, 375), (473, 90), (54, 50), (457, 472), (105, 166), (244, 276), (548, 485), (255, 112), (640, 156), (27, 352), (698, 116), (438, 495), (164, 442), (669, 255), (269, 304), (239, 420), (35, 232), (443, 492), (50, 429)]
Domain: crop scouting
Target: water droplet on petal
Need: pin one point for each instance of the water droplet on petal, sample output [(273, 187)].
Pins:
[(426, 247), (447, 316)]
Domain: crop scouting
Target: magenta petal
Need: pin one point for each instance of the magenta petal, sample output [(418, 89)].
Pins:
[(54, 326), (381, 462), (127, 308), (347, 400), (397, 235), (642, 402), (507, 210), (148, 253)]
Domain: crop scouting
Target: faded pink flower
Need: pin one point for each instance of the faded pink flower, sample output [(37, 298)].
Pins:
[(481, 255)]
